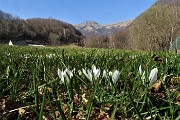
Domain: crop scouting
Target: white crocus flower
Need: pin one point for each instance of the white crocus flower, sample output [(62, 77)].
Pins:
[(50, 56), (104, 74), (140, 70), (110, 73), (7, 54), (166, 60), (115, 76), (153, 76), (61, 74), (10, 43), (84, 71), (143, 76), (142, 73), (69, 73), (66, 74), (96, 72), (80, 72), (88, 74)]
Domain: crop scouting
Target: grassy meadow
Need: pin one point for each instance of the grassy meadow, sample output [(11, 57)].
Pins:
[(94, 84)]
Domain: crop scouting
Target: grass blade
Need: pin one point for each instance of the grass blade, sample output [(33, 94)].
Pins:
[(89, 110), (114, 112), (43, 103)]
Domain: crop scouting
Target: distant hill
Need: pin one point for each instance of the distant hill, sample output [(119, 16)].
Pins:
[(91, 27), (155, 28), (38, 31)]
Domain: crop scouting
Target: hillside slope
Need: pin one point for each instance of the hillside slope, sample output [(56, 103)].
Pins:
[(38, 31), (156, 28)]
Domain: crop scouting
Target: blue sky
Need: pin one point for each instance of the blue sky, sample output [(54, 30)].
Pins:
[(77, 11)]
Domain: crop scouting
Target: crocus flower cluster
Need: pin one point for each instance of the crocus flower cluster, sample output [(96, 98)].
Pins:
[(114, 75), (91, 74), (66, 74), (50, 56), (94, 74)]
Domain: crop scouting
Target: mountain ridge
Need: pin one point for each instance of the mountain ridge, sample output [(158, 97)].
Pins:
[(92, 27)]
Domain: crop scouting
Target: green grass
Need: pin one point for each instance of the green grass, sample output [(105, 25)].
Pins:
[(29, 82)]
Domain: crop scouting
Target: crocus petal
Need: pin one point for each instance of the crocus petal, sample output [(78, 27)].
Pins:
[(69, 73), (74, 70), (104, 74), (93, 68), (61, 75), (96, 72), (110, 73), (80, 72), (166, 60), (84, 71), (143, 76), (88, 74), (49, 56), (10, 43), (140, 70), (115, 76), (153, 76)]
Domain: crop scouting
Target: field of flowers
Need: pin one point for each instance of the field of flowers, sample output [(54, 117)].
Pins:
[(80, 83)]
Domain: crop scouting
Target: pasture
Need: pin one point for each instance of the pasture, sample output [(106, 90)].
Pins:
[(80, 83)]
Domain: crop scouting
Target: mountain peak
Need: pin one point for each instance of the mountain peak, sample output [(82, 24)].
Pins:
[(92, 27), (6, 16), (91, 22), (88, 23)]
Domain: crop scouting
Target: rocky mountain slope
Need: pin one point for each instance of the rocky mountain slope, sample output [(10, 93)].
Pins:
[(6, 16), (91, 27)]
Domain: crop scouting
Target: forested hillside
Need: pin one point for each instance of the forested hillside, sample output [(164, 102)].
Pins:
[(38, 31), (155, 28)]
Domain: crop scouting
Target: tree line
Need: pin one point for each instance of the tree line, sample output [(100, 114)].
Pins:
[(37, 30)]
